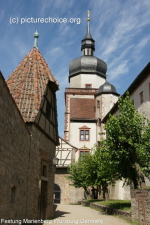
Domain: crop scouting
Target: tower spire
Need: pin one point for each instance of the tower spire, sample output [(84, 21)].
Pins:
[(88, 35), (36, 36), (88, 44)]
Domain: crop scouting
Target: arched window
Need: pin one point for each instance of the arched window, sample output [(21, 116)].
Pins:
[(57, 193)]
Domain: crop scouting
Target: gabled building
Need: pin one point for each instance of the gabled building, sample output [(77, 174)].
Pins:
[(64, 193), (139, 91), (32, 87)]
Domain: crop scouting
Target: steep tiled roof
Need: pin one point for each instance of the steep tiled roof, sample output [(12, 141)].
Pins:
[(82, 108), (28, 83)]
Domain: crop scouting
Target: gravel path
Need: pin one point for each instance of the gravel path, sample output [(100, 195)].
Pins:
[(77, 214)]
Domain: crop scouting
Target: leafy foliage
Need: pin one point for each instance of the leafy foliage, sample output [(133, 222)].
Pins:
[(128, 142), (124, 154), (94, 169)]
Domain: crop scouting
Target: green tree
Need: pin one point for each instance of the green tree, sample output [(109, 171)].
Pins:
[(83, 173), (93, 170), (106, 173), (128, 143)]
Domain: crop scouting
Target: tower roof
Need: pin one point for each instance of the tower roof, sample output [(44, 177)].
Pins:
[(87, 63), (107, 88), (88, 41), (28, 83)]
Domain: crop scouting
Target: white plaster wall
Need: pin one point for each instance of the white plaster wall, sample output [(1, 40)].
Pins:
[(79, 81), (75, 136), (118, 191), (145, 106), (108, 101)]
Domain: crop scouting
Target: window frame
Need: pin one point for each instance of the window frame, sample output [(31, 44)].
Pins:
[(84, 151), (84, 134), (141, 97), (90, 86), (98, 104)]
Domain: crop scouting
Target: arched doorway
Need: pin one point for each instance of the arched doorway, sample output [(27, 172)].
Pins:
[(57, 193)]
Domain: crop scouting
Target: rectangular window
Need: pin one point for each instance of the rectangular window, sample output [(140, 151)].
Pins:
[(141, 97), (44, 171), (84, 135), (48, 110), (87, 86), (88, 51), (82, 153), (132, 101), (98, 144), (98, 104)]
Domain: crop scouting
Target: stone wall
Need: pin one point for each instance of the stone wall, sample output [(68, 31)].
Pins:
[(69, 194), (140, 201), (42, 151), (14, 158), (108, 210), (25, 164)]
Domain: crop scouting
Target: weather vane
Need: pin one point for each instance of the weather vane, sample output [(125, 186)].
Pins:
[(88, 19)]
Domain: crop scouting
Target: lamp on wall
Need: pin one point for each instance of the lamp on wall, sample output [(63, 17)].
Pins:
[(55, 161)]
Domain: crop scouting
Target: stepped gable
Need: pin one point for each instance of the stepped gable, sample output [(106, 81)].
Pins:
[(28, 83)]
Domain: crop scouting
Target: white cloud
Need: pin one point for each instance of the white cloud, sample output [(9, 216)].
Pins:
[(119, 69)]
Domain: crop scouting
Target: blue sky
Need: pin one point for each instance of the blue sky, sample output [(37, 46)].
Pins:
[(120, 28)]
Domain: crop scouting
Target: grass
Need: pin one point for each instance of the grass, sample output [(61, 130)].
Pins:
[(116, 204)]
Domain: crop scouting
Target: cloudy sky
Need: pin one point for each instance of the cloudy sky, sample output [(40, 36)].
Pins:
[(120, 28)]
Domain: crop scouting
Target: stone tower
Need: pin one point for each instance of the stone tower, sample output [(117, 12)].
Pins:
[(87, 77)]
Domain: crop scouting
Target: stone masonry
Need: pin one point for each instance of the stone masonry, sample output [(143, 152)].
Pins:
[(140, 200), (14, 154)]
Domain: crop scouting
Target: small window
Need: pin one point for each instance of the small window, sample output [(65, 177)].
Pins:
[(88, 52), (48, 110), (132, 101), (13, 194), (98, 104), (84, 135), (44, 171), (98, 144), (87, 86), (81, 135), (82, 153), (141, 97)]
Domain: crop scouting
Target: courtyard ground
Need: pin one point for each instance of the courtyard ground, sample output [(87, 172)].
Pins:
[(77, 214)]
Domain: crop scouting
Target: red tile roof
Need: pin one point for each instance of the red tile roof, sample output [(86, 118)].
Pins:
[(28, 83), (82, 108)]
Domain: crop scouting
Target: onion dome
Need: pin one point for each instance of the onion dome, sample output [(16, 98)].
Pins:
[(107, 88), (87, 63)]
